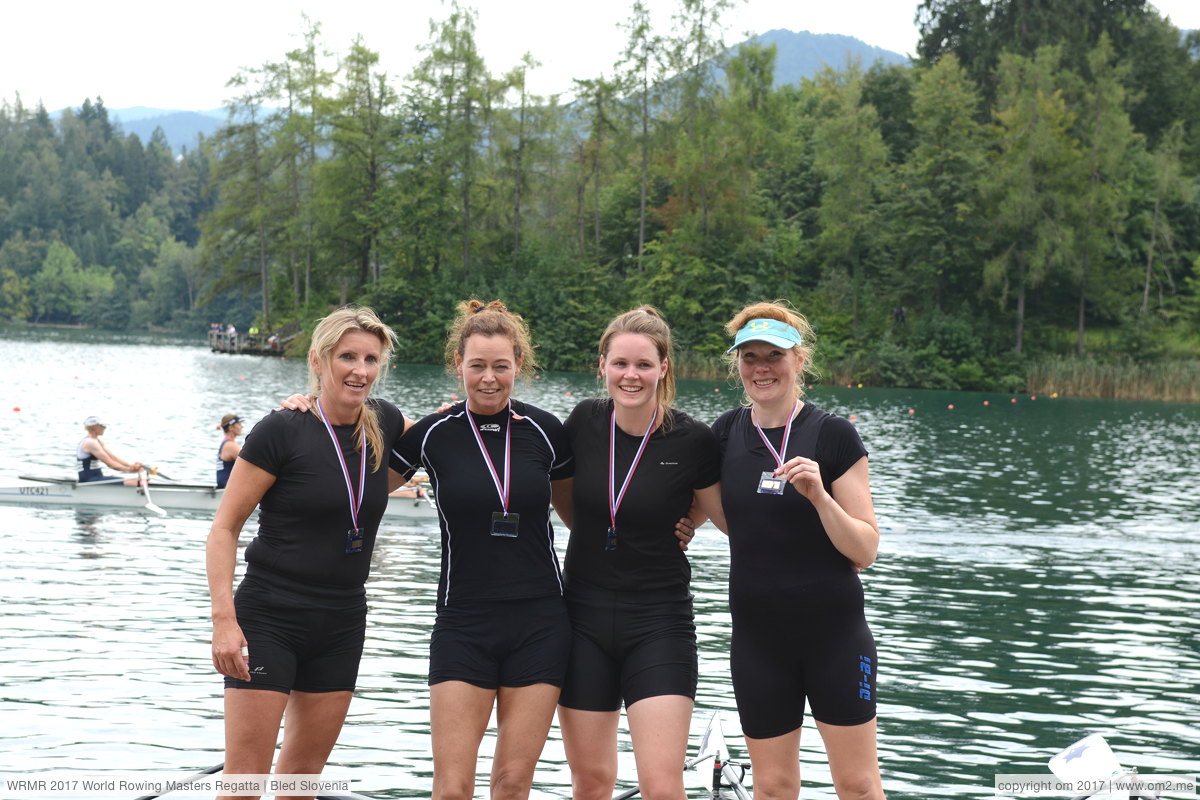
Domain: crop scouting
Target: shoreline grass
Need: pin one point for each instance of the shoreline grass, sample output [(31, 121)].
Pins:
[(1175, 381), (1168, 380)]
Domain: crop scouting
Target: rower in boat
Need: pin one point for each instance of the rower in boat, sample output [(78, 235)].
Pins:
[(91, 450), (227, 453)]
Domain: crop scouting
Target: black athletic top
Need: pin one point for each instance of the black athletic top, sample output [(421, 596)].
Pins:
[(303, 518), (676, 462), (475, 564), (777, 544)]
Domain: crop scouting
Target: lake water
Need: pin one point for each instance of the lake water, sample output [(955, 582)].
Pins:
[(1037, 579)]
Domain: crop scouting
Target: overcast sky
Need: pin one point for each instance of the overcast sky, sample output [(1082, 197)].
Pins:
[(179, 55)]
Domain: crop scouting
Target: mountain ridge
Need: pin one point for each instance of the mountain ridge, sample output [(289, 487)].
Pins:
[(799, 55)]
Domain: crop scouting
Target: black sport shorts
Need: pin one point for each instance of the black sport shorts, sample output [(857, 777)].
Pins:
[(501, 643), (628, 646), (784, 651), (296, 641)]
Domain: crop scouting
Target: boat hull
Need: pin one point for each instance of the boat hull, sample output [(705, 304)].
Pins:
[(190, 498)]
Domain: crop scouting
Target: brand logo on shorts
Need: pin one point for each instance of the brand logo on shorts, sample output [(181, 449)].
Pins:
[(865, 669), (259, 671), (489, 427)]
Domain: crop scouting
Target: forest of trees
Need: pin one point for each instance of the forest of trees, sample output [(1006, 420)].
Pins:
[(1027, 190)]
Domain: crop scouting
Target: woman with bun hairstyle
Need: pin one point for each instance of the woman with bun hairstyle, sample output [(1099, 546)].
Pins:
[(227, 452), (502, 636), (639, 466), (290, 640), (797, 500)]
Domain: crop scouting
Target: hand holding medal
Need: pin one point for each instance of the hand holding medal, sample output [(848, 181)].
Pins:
[(804, 475), (772, 482)]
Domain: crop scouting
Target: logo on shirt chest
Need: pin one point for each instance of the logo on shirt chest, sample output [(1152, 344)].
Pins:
[(489, 427)]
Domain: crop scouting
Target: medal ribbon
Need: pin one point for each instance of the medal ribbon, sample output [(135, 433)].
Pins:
[(362, 476), (780, 454), (614, 502), (501, 488)]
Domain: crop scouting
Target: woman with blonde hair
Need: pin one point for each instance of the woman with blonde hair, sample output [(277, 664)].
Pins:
[(502, 636), (797, 500), (289, 642), (639, 466)]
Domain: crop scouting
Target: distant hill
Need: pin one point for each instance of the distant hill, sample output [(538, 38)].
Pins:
[(182, 128), (802, 55), (798, 56)]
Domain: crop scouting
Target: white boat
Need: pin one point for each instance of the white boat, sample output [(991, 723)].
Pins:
[(189, 497)]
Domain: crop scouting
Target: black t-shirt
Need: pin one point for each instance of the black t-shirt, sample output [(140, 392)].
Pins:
[(305, 515), (777, 544), (475, 564), (677, 461)]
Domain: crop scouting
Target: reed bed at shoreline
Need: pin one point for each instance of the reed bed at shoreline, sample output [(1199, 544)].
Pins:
[(1175, 381)]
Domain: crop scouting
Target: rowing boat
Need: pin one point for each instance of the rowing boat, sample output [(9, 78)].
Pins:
[(183, 497)]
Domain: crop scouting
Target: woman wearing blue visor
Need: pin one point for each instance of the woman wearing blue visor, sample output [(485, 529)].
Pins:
[(801, 525)]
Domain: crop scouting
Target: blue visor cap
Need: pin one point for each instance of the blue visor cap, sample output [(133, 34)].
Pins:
[(771, 331)]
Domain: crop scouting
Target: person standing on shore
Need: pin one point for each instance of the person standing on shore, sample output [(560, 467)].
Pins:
[(640, 465), (290, 640), (502, 637), (797, 500)]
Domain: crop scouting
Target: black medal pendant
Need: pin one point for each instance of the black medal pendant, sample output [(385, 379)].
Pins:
[(354, 540), (505, 525), (770, 483), (610, 539)]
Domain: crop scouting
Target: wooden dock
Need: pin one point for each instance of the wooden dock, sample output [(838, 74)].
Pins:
[(262, 344)]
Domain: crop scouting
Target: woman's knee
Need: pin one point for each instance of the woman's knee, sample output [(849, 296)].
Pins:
[(660, 786), (453, 787), (511, 783), (779, 787), (863, 785), (592, 782)]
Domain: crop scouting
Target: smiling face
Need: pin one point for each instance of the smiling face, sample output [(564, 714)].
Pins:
[(348, 373), (632, 369), (488, 367), (768, 373)]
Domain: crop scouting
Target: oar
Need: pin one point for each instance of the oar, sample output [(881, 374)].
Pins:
[(160, 473), (145, 484), (210, 771)]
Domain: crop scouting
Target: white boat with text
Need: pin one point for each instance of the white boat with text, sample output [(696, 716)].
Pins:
[(159, 497)]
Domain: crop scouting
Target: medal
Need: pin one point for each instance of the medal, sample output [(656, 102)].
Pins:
[(504, 524), (615, 498), (769, 482), (355, 536)]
